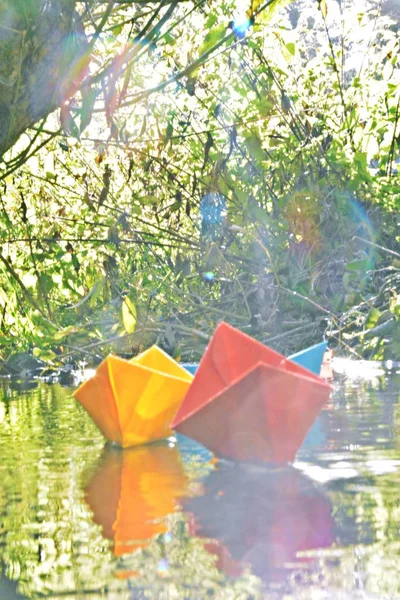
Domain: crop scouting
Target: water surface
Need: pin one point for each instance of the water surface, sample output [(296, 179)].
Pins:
[(80, 519)]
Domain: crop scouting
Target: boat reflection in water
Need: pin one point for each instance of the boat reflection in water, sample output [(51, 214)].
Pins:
[(258, 517), (246, 515), (133, 490)]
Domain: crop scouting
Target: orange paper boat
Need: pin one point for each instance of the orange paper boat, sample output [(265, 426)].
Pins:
[(132, 491), (133, 402), (248, 402)]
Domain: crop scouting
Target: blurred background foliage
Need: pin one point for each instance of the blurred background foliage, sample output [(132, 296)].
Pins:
[(208, 160)]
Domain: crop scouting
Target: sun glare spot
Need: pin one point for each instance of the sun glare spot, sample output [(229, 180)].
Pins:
[(241, 25), (162, 566)]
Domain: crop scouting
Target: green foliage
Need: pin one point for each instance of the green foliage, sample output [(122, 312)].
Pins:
[(129, 315), (103, 231)]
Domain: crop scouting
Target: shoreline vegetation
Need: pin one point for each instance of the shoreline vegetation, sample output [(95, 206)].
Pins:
[(188, 163)]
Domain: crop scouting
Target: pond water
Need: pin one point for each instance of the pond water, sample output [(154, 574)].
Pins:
[(79, 519)]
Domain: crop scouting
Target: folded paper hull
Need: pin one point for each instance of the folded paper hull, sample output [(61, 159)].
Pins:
[(264, 417), (131, 493), (249, 403), (134, 402)]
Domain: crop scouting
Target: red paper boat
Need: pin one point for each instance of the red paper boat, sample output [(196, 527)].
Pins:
[(248, 402)]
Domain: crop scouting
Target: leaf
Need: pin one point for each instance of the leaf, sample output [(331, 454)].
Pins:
[(44, 354), (373, 317), (242, 196), (359, 265), (259, 214), (45, 283), (169, 39), (149, 200), (347, 336), (291, 46), (177, 354), (285, 103), (253, 145), (114, 131), (265, 106), (129, 315), (212, 38), (254, 7), (59, 335), (117, 29), (268, 12), (67, 122), (92, 292), (113, 235), (323, 7), (394, 303), (75, 262), (208, 145), (88, 101), (212, 19), (360, 158), (191, 85), (169, 131), (175, 206)]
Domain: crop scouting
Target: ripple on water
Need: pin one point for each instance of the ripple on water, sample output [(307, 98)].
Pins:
[(81, 520)]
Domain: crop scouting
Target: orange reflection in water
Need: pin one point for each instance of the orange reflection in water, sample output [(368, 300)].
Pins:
[(133, 490)]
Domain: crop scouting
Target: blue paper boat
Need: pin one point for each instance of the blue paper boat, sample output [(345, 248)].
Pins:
[(191, 367), (310, 358)]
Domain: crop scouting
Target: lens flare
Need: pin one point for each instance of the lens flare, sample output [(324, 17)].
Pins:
[(213, 208), (364, 229), (162, 566), (241, 25), (213, 213)]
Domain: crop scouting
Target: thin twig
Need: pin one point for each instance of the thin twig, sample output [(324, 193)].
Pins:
[(297, 295), (356, 237)]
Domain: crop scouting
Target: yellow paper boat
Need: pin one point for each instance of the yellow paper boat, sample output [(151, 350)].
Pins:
[(134, 401)]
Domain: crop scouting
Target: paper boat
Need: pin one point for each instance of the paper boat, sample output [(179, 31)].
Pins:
[(310, 358), (133, 402), (248, 402), (191, 367), (133, 491), (258, 517)]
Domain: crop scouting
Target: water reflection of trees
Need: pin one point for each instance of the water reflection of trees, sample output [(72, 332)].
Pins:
[(361, 430), (360, 414), (51, 543)]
